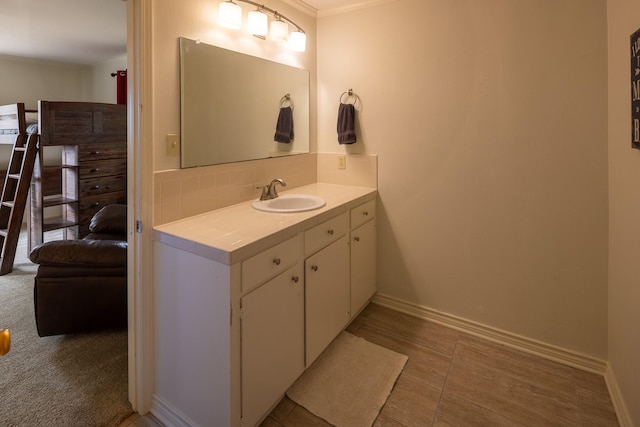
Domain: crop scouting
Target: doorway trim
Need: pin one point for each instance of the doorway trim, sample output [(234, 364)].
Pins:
[(140, 206)]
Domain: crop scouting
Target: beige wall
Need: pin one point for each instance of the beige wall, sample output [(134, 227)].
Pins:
[(489, 122), (26, 80), (99, 85), (624, 210)]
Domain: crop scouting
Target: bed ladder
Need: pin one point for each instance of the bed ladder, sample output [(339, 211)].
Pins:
[(14, 197)]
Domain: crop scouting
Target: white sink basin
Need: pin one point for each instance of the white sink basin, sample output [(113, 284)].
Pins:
[(290, 203)]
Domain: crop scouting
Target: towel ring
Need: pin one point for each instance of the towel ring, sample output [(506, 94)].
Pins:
[(285, 99), (350, 94)]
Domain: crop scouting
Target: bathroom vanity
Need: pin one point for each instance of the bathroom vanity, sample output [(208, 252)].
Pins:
[(245, 300)]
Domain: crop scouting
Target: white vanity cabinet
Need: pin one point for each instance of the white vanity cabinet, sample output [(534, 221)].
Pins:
[(237, 324), (272, 330), (327, 296), (363, 255), (271, 326)]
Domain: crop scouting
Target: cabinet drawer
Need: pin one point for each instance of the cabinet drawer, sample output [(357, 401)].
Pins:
[(363, 213), (105, 184), (267, 264), (104, 168), (325, 233), (94, 151)]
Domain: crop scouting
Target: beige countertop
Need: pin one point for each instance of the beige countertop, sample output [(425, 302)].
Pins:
[(234, 233)]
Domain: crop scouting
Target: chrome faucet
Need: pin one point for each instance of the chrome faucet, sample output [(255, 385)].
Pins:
[(269, 191)]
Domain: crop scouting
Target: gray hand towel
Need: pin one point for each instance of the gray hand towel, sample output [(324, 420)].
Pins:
[(346, 124), (284, 127)]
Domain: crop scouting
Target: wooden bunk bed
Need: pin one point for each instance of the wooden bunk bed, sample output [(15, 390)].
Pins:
[(12, 122), (17, 176), (92, 169), (89, 145)]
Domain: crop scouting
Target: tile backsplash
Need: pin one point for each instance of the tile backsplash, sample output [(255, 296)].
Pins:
[(181, 193), (361, 170)]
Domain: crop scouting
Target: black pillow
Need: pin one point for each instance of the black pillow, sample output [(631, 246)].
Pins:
[(111, 219)]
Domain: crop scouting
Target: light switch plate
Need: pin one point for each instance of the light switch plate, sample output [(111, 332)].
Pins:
[(342, 161), (173, 146)]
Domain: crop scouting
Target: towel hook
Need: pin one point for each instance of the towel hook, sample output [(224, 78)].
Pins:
[(350, 94), (286, 98)]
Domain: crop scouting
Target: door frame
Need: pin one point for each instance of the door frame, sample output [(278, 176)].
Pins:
[(140, 205)]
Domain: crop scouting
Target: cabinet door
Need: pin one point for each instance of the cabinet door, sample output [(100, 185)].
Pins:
[(326, 296), (272, 342), (363, 265)]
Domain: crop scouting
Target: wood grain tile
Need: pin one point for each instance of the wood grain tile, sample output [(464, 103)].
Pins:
[(454, 411), (300, 417), (530, 390), (412, 402), (424, 364), (594, 401), (283, 409), (427, 334), (384, 421)]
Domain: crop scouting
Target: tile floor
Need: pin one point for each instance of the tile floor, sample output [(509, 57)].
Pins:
[(454, 379)]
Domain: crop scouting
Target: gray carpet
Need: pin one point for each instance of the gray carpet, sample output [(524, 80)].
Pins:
[(68, 380)]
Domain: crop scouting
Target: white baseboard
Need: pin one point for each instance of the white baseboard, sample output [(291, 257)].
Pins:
[(538, 348), (168, 415), (624, 419)]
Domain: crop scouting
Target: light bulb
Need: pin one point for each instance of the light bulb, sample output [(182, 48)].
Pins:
[(279, 30), (257, 23), (298, 41), (230, 15)]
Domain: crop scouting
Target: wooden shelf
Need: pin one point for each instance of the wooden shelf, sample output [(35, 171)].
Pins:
[(93, 148), (50, 224), (56, 200)]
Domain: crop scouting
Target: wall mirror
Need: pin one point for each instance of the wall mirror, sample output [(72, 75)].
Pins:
[(230, 102)]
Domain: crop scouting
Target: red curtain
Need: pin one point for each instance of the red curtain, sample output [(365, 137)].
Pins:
[(121, 77)]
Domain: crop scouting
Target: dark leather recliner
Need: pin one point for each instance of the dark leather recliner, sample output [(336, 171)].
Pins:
[(81, 285)]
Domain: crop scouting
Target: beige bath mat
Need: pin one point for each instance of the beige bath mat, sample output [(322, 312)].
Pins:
[(348, 384)]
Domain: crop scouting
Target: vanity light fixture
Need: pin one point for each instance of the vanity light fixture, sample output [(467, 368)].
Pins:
[(257, 23), (230, 16), (297, 41), (279, 30)]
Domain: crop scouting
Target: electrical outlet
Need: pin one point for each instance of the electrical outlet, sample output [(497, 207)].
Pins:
[(173, 148), (342, 161)]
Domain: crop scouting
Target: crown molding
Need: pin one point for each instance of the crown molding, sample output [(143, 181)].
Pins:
[(311, 11), (351, 7), (302, 6)]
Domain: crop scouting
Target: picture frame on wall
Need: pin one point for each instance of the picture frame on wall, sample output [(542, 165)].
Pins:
[(635, 89)]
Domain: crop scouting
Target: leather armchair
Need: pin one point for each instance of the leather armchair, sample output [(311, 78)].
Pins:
[(81, 285)]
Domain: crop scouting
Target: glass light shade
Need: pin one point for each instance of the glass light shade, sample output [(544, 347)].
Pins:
[(230, 15), (257, 23), (298, 41), (279, 30)]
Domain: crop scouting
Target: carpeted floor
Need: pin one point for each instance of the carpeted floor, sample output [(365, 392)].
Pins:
[(68, 380)]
